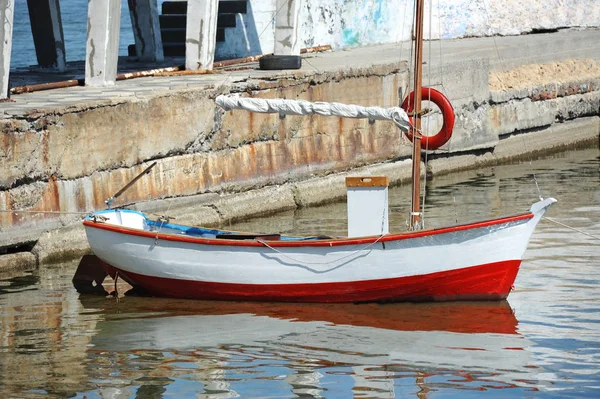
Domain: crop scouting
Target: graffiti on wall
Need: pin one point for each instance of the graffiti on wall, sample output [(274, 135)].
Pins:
[(350, 23)]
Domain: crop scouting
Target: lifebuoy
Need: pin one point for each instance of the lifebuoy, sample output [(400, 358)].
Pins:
[(436, 141)]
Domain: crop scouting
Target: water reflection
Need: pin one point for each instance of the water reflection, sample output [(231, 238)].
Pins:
[(58, 345), (233, 349)]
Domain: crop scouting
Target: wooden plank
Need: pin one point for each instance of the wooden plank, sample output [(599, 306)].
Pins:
[(367, 181)]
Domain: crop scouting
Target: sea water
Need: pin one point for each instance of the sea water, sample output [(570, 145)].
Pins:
[(74, 18)]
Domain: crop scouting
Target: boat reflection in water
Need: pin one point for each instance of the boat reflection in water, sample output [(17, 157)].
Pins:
[(225, 349)]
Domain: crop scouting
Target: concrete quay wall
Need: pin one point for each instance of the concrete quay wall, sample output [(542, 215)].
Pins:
[(72, 160), (215, 166)]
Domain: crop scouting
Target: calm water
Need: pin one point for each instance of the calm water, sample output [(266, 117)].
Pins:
[(543, 343), (74, 17)]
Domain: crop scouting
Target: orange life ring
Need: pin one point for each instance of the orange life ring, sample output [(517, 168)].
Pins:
[(436, 141)]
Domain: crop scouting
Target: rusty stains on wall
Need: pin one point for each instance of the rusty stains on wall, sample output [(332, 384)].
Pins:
[(73, 161)]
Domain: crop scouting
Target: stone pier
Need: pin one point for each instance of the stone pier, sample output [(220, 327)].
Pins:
[(146, 29), (102, 46), (46, 27), (201, 34), (287, 35)]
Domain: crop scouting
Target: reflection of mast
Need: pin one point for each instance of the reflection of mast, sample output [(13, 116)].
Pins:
[(111, 392), (423, 389), (376, 381), (305, 381), (213, 377)]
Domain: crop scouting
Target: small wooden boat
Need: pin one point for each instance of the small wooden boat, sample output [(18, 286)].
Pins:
[(475, 261)]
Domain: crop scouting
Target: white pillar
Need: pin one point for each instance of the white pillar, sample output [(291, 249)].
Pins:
[(146, 29), (7, 8), (201, 34), (47, 31), (287, 39), (102, 47)]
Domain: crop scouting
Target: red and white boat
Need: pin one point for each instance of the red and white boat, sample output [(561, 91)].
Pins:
[(476, 261)]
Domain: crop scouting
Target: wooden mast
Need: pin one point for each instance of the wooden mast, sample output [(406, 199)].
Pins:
[(415, 215)]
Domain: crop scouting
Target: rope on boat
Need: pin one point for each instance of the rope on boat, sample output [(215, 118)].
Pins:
[(162, 219), (572, 228), (322, 263)]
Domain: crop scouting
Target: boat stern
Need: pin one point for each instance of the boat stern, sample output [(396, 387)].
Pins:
[(119, 217)]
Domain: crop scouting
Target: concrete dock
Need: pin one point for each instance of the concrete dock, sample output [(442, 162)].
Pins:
[(67, 150), (499, 54)]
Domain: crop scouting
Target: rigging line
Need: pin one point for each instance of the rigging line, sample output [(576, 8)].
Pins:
[(530, 156), (428, 121), (412, 43), (537, 186), (400, 98), (308, 62), (440, 47), (163, 220), (569, 227), (487, 15), (257, 40), (503, 68)]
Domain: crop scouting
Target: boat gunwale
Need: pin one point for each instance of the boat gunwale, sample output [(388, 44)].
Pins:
[(327, 242)]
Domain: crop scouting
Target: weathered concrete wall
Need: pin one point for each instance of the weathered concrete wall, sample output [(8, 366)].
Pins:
[(71, 160), (343, 23)]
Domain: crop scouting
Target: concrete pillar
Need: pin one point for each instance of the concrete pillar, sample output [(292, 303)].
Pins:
[(102, 47), (146, 29), (201, 34), (7, 8), (46, 27), (287, 39)]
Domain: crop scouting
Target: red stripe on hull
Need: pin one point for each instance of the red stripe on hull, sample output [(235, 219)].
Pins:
[(491, 281)]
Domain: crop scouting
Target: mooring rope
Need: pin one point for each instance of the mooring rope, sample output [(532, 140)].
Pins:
[(572, 228)]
